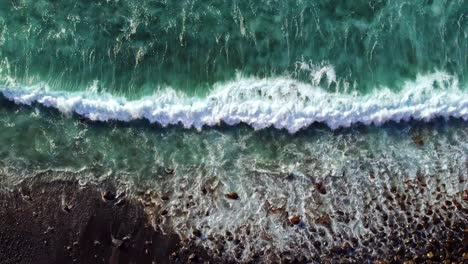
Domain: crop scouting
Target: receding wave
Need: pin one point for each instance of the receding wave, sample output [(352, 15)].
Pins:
[(282, 103)]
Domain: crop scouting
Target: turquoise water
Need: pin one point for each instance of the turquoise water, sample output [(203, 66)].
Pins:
[(133, 47), (265, 98)]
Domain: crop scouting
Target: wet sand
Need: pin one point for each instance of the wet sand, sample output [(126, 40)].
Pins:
[(62, 222)]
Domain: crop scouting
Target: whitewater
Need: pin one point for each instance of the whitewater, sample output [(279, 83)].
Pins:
[(282, 103)]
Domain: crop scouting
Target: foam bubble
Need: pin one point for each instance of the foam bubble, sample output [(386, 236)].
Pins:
[(283, 103)]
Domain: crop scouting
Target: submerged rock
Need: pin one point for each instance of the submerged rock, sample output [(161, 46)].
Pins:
[(320, 187), (418, 140), (232, 196), (295, 220), (108, 196), (197, 233)]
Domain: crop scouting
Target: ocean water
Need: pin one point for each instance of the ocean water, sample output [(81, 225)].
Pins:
[(269, 99)]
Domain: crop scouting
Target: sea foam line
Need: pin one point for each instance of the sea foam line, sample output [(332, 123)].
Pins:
[(283, 103)]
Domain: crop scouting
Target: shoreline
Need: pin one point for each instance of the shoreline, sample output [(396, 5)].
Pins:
[(64, 222)]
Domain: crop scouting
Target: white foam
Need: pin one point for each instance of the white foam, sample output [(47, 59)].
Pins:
[(278, 102)]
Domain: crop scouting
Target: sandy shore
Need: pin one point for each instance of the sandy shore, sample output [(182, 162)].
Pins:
[(64, 222)]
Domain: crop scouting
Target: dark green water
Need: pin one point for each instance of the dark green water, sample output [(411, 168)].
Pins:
[(134, 47)]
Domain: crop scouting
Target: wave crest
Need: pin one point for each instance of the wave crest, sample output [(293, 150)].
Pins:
[(283, 103)]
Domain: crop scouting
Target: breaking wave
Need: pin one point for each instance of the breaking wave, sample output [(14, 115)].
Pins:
[(283, 103)]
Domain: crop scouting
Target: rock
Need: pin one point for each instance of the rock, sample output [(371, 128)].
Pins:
[(324, 220), (197, 233), (108, 196), (295, 220), (430, 255), (320, 187), (346, 247), (117, 242), (232, 196), (26, 197), (418, 140), (66, 208)]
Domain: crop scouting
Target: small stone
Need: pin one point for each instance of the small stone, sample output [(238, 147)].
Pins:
[(465, 256), (346, 247), (117, 242), (418, 140), (169, 171), (324, 220), (232, 196), (295, 220), (430, 255), (197, 233), (66, 208), (320, 188), (69, 248), (108, 196)]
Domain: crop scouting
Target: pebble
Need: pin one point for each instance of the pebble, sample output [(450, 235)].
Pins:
[(295, 220), (108, 196), (197, 233), (418, 140), (320, 188), (232, 196)]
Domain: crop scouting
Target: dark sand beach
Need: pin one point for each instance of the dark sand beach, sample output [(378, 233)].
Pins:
[(64, 222)]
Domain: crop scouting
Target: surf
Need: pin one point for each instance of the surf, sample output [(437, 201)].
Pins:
[(282, 103)]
